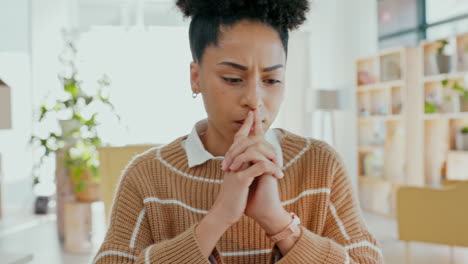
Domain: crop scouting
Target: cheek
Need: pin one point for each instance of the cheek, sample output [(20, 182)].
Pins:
[(217, 99), (273, 103)]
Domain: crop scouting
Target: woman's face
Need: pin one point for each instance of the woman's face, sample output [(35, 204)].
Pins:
[(246, 71)]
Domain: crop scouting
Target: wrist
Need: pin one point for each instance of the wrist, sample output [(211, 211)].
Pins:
[(275, 222), (219, 219)]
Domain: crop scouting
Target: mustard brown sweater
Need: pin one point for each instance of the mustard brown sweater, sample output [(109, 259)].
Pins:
[(160, 200)]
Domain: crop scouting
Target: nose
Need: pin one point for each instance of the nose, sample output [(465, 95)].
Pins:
[(252, 98)]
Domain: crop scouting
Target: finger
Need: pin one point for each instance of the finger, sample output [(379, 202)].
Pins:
[(253, 155), (245, 128), (278, 173), (238, 147), (258, 124), (248, 156), (261, 168)]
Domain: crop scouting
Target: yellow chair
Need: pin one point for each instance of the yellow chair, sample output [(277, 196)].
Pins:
[(112, 161), (433, 215)]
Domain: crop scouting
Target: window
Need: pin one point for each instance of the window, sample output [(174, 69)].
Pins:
[(406, 22)]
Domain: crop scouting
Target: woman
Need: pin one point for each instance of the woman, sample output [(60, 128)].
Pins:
[(234, 190)]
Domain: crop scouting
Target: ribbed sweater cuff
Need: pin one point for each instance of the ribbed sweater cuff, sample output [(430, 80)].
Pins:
[(183, 248), (312, 248)]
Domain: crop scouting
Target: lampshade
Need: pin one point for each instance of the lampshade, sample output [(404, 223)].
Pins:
[(5, 106), (328, 100)]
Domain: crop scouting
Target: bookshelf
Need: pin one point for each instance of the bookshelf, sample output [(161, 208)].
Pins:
[(385, 81), (412, 108), (445, 96)]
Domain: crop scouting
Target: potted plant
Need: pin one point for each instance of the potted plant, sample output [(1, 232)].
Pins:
[(77, 114), (444, 61), (450, 104), (432, 103), (458, 97), (465, 57), (461, 139)]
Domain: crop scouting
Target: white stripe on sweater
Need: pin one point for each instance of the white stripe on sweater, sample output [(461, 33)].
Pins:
[(304, 193), (137, 228), (200, 211), (245, 253), (147, 254), (157, 200), (364, 244), (167, 164), (308, 141), (338, 221), (115, 253)]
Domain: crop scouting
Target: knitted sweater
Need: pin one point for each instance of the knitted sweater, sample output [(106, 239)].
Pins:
[(160, 200)]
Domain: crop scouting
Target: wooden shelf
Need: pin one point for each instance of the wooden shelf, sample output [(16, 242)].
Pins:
[(380, 117), (379, 86), (391, 51), (372, 179), (445, 76), (445, 116), (366, 87), (365, 149)]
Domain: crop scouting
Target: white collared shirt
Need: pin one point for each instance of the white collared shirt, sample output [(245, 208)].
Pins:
[(197, 154)]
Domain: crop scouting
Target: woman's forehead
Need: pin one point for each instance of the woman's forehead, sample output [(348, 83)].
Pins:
[(246, 43)]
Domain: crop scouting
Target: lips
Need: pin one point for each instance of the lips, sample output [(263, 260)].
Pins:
[(241, 122)]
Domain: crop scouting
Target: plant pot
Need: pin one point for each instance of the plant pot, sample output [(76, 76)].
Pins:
[(89, 191), (465, 61), (451, 106), (463, 104), (461, 141), (444, 63), (67, 126)]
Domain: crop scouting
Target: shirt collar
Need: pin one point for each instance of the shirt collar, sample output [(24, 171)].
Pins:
[(197, 154)]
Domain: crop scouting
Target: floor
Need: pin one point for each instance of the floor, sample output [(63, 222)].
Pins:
[(38, 236)]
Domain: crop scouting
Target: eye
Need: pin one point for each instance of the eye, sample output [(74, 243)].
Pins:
[(272, 81), (232, 80)]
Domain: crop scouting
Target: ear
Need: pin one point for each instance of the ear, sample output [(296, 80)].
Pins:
[(195, 77)]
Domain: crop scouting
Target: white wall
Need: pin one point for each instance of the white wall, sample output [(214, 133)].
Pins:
[(341, 31), (14, 25), (15, 71), (292, 115), (29, 45)]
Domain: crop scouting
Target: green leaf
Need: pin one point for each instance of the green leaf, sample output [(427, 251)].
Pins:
[(429, 108), (53, 135), (442, 47), (36, 180), (43, 112), (457, 87), (88, 99), (80, 187), (77, 173), (71, 87), (94, 172), (91, 122), (444, 82)]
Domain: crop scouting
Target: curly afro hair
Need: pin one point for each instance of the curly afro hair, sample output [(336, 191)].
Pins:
[(209, 15)]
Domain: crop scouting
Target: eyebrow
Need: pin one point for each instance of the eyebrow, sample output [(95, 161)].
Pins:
[(244, 68)]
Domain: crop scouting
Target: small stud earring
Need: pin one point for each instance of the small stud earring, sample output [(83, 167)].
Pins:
[(194, 95)]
